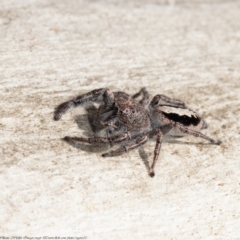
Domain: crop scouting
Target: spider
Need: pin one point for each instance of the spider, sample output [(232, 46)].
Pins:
[(131, 122)]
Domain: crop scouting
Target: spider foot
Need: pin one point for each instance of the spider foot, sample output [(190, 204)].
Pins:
[(61, 109), (114, 153), (105, 155), (216, 142), (151, 173), (67, 138)]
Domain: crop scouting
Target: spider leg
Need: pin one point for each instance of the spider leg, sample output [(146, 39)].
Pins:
[(145, 100), (142, 91), (164, 129), (129, 146), (187, 130), (121, 95), (100, 122), (92, 96), (172, 102), (156, 151), (115, 139), (109, 125)]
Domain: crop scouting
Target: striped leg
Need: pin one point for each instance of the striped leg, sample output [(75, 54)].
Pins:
[(172, 102), (92, 96), (156, 151), (138, 142), (145, 100), (115, 139), (195, 133)]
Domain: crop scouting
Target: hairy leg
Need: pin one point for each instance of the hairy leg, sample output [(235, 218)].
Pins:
[(92, 96), (145, 100), (115, 139), (156, 151), (164, 129), (172, 102), (131, 145), (189, 131), (121, 95), (104, 118)]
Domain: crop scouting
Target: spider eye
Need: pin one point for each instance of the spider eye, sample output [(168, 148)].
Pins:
[(133, 111)]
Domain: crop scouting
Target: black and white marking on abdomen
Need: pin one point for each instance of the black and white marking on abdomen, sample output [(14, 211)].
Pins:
[(183, 119)]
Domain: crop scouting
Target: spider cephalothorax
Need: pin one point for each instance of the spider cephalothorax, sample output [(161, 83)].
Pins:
[(132, 122)]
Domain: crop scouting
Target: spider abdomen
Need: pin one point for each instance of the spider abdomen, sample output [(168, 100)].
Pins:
[(184, 116), (183, 119)]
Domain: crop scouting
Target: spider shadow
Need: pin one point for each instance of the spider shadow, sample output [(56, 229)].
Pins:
[(85, 123), (144, 158), (171, 140)]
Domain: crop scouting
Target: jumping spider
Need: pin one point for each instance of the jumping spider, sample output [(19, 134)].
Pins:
[(132, 122)]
